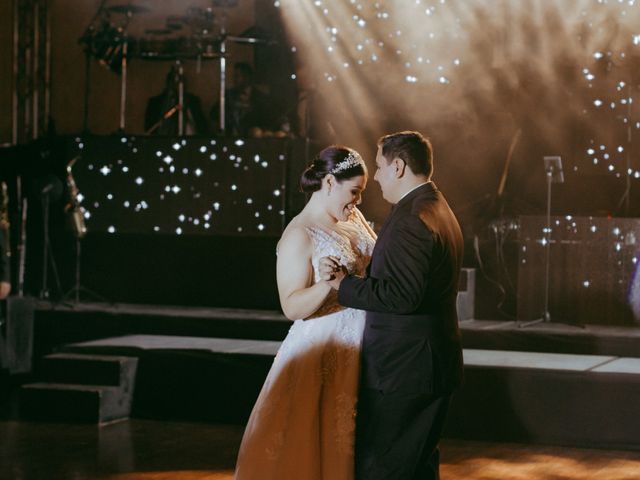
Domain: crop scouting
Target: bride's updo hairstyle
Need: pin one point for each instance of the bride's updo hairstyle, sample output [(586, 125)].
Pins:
[(337, 160)]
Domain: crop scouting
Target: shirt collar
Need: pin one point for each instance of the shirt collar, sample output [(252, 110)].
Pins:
[(414, 188)]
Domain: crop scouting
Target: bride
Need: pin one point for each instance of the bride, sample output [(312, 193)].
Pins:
[(303, 423)]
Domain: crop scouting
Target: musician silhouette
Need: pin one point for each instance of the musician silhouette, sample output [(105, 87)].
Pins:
[(248, 110), (162, 116)]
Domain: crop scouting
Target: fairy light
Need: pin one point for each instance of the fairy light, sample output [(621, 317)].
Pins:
[(201, 197)]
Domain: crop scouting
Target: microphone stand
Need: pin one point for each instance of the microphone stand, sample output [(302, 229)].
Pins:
[(44, 291), (553, 171), (75, 217)]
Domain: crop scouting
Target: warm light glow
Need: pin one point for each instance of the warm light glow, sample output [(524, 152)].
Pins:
[(474, 72)]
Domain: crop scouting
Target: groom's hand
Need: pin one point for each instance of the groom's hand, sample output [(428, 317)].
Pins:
[(331, 271)]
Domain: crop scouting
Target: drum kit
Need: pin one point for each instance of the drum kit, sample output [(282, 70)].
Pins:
[(199, 35)]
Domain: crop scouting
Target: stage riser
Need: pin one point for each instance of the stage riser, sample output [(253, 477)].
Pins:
[(191, 384), (54, 328), (63, 326), (582, 409), (194, 386), (570, 340), (57, 327), (547, 407), (171, 270)]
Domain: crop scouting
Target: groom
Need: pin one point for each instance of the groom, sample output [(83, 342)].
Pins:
[(411, 353)]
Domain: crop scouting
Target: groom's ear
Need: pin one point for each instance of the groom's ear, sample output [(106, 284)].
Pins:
[(400, 166)]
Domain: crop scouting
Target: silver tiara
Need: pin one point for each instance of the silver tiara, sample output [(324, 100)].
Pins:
[(351, 160)]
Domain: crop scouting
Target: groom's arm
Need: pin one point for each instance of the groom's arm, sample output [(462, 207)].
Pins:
[(401, 287)]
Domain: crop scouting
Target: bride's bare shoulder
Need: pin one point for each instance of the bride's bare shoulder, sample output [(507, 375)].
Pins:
[(295, 236)]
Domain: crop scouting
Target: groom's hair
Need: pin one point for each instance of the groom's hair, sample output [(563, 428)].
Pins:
[(412, 147)]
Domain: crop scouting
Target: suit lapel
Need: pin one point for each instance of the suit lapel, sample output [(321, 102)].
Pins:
[(428, 188), (387, 221)]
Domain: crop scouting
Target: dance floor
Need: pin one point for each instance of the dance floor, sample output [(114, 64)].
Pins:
[(156, 450)]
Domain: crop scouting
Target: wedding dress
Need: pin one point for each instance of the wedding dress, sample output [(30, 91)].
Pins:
[(302, 426)]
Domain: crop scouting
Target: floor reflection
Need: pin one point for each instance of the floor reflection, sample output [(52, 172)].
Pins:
[(154, 450)]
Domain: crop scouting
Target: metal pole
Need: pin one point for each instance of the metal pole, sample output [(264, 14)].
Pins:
[(35, 70), (26, 121), (44, 292), (629, 146), (223, 80), (87, 87), (14, 100), (78, 256), (22, 252), (123, 84), (123, 81), (546, 316), (47, 72), (180, 99)]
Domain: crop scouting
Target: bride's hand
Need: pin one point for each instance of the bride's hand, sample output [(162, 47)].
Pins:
[(328, 268), (332, 271)]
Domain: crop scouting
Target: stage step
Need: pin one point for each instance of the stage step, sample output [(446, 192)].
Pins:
[(81, 388), (564, 399), (88, 369)]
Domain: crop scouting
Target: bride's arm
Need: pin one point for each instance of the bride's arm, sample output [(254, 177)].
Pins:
[(299, 296)]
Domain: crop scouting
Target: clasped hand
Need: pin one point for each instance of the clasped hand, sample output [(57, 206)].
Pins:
[(331, 271)]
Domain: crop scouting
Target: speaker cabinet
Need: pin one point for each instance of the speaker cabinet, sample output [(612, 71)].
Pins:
[(593, 269)]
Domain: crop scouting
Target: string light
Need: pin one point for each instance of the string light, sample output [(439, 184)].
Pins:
[(149, 192)]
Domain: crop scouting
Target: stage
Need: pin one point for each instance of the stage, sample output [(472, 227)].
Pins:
[(550, 384)]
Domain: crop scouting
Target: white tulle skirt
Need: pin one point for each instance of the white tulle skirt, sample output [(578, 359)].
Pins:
[(303, 423)]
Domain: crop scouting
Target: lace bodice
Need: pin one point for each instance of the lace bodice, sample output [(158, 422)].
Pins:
[(353, 250)]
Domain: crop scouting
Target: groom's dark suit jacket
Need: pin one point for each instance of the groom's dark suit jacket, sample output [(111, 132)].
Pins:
[(411, 340)]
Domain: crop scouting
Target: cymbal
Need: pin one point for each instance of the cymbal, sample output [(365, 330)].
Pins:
[(249, 40), (158, 31), (162, 57), (133, 9)]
